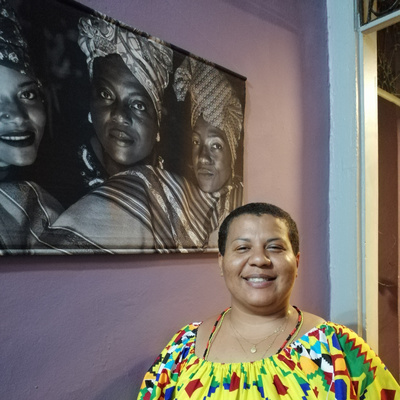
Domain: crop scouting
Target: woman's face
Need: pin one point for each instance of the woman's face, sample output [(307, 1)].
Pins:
[(123, 114), (259, 265), (211, 156), (22, 118)]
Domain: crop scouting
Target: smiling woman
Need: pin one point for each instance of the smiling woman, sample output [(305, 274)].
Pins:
[(22, 112), (25, 208), (262, 242), (22, 118), (262, 347)]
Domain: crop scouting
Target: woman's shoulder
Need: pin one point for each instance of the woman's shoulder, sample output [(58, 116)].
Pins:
[(311, 320), (312, 323), (186, 333), (183, 338), (203, 333), (30, 198)]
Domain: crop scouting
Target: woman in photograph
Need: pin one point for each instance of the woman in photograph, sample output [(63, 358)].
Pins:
[(217, 123), (22, 111), (262, 346), (143, 207), (140, 206), (128, 75), (25, 208)]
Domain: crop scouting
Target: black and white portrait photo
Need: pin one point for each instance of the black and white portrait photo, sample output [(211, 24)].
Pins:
[(112, 141)]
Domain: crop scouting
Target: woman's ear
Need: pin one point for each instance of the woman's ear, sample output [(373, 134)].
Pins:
[(221, 263), (297, 262)]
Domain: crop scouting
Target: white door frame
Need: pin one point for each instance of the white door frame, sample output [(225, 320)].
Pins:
[(353, 188)]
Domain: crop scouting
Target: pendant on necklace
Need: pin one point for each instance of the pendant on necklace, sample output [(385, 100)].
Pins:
[(254, 349)]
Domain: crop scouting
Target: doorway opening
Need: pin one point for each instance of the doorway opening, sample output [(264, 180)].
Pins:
[(388, 72)]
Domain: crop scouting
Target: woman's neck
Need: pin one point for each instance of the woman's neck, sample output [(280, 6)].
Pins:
[(257, 325), (242, 336)]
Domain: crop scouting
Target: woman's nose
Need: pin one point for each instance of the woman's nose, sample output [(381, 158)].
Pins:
[(204, 154), (4, 115), (260, 258), (120, 113), (12, 112)]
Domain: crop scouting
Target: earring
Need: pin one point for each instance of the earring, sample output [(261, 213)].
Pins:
[(89, 117), (158, 137), (160, 162)]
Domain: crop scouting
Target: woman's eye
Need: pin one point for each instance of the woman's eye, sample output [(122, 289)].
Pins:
[(29, 95), (275, 248), (196, 142), (216, 146), (242, 248), (138, 105), (106, 94)]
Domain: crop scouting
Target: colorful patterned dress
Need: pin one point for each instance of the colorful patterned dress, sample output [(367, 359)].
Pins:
[(328, 362)]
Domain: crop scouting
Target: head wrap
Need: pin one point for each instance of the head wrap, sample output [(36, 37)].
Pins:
[(149, 60), (212, 96), (13, 47)]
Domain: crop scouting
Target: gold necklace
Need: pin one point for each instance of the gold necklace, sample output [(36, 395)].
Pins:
[(265, 352), (254, 345)]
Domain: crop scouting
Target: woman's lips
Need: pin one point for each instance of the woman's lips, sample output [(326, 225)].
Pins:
[(18, 138), (205, 172), (121, 137), (259, 280)]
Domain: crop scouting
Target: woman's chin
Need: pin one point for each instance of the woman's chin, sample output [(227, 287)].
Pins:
[(24, 162), (207, 186)]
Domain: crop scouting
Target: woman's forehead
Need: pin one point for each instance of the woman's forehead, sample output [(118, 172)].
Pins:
[(114, 72), (112, 68), (250, 224), (11, 78), (205, 128)]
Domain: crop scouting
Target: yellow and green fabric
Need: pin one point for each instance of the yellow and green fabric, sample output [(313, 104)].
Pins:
[(329, 362)]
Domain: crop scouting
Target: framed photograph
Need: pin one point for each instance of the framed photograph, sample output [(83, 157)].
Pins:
[(111, 140)]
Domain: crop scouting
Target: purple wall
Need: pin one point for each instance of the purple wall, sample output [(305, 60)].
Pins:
[(88, 327)]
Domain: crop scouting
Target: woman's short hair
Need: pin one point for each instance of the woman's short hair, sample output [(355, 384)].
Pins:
[(259, 209)]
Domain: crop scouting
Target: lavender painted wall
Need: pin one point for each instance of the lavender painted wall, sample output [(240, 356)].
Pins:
[(88, 327)]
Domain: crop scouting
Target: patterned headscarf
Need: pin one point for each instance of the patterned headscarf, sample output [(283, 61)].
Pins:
[(149, 61), (13, 47), (212, 96)]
